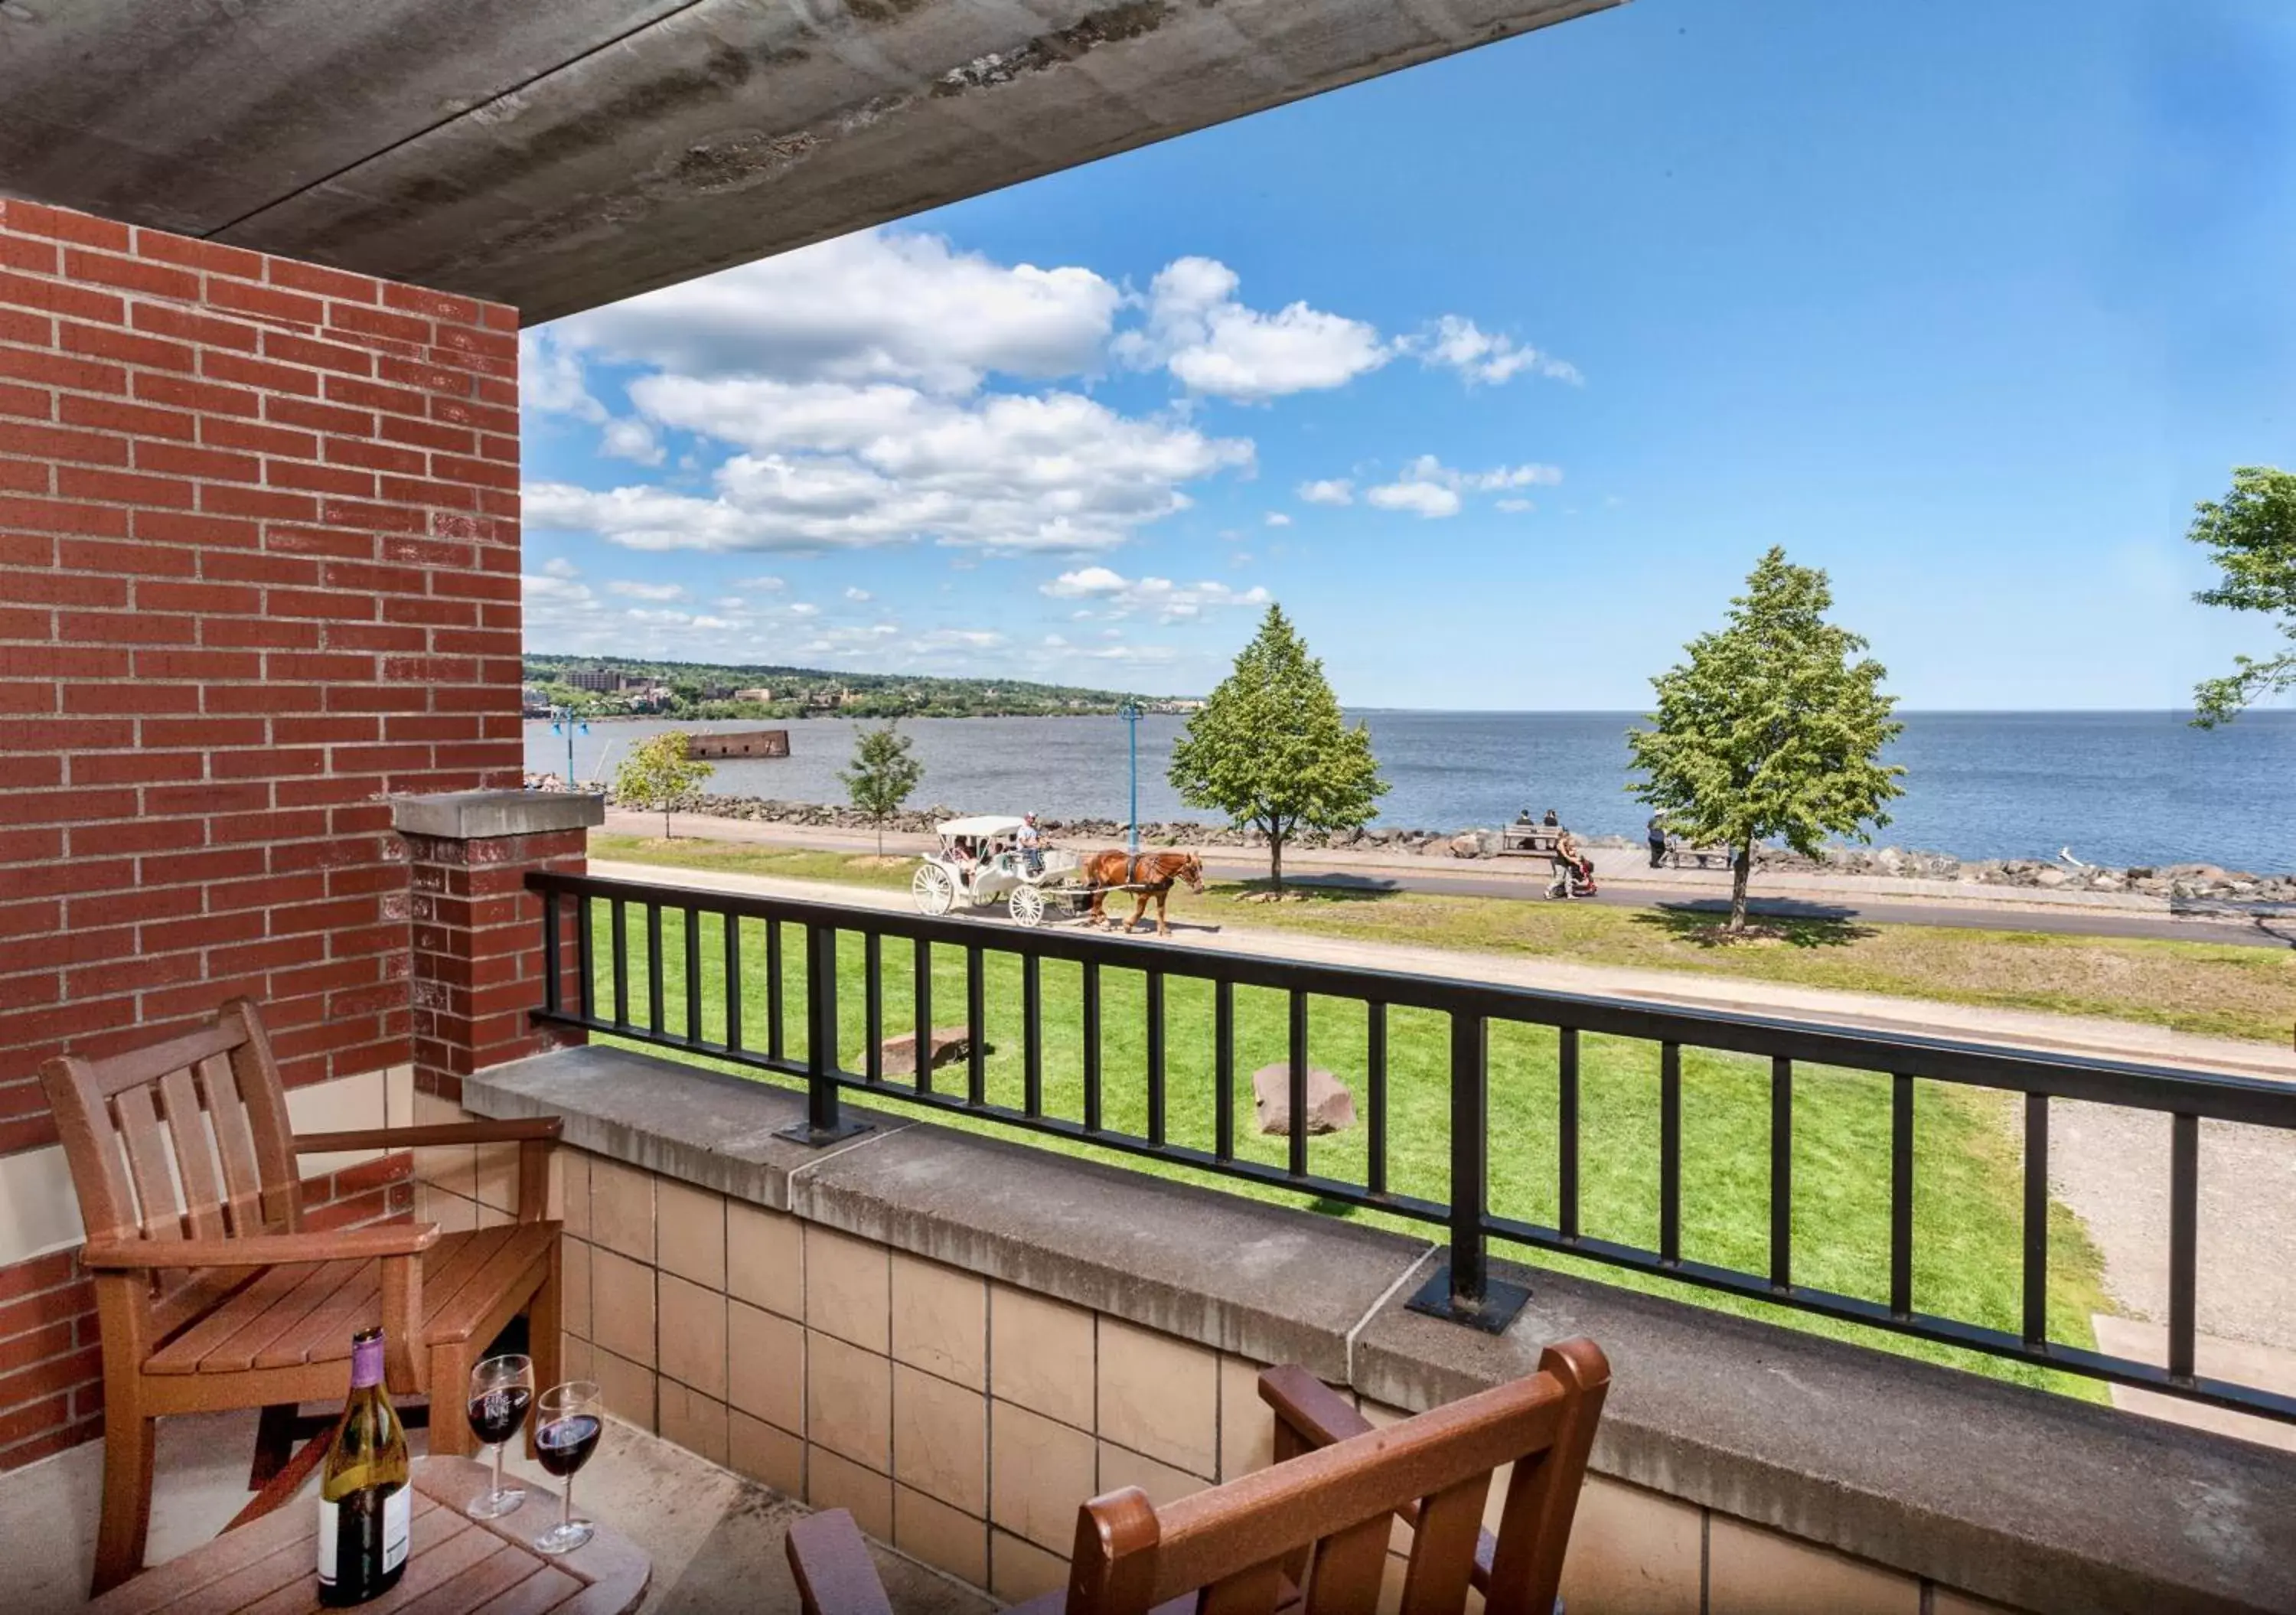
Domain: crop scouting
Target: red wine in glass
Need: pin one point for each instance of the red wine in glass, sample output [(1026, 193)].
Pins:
[(495, 1415), (565, 1445), (568, 1420), (501, 1390)]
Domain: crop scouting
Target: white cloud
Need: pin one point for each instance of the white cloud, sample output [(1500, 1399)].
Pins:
[(1429, 488), (1332, 490), (859, 594), (1456, 343), (548, 588), (550, 378), (627, 438), (1166, 600), (1416, 495), (878, 306), (1211, 342), (1085, 580), (557, 566), (764, 585), (831, 467), (1278, 519), (647, 591), (1514, 506)]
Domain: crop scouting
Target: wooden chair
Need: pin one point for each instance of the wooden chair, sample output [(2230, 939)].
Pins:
[(1311, 1532), (212, 1295)]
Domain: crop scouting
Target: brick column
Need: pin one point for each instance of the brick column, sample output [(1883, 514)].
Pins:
[(478, 945)]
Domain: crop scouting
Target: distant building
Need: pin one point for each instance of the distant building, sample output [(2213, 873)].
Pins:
[(759, 693), (598, 681)]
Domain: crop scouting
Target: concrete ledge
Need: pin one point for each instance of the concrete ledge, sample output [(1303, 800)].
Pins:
[(710, 1129), (476, 816), (2035, 1500), (1261, 1281)]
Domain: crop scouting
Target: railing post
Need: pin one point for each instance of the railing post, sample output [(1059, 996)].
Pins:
[(823, 1123), (1462, 1287)]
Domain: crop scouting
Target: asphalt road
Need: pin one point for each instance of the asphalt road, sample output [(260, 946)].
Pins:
[(2275, 931)]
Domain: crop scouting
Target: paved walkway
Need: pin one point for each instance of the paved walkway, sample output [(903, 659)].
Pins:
[(1628, 881)]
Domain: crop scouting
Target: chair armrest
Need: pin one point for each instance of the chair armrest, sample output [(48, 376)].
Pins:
[(1312, 1410), (834, 1573), (534, 1135), (521, 1129), (263, 1249)]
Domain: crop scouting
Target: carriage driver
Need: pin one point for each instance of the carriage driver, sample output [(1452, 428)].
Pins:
[(1032, 846)]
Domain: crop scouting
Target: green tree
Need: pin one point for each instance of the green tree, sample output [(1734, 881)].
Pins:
[(657, 774), (882, 776), (2251, 535), (1773, 727), (1269, 748)]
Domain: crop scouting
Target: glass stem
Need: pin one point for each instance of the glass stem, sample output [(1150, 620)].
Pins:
[(498, 1461), (566, 1511)]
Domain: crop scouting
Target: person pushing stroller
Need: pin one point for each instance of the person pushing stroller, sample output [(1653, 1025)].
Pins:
[(1574, 871)]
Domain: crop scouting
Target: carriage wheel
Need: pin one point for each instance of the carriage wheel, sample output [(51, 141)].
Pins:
[(934, 890), (1026, 905)]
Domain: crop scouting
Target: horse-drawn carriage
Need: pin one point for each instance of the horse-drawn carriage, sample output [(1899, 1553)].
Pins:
[(980, 861)]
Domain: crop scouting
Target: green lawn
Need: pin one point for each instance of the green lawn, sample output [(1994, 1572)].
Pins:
[(2215, 989), (1967, 1219)]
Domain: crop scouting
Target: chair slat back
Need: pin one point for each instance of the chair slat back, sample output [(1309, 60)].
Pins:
[(188, 1135), (1329, 1513)]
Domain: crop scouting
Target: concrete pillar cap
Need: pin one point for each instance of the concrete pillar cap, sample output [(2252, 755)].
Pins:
[(481, 815)]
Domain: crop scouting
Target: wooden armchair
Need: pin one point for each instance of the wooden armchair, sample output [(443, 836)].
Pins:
[(211, 1294), (1311, 1532)]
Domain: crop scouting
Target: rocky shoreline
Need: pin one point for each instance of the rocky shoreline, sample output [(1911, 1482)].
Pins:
[(2180, 880)]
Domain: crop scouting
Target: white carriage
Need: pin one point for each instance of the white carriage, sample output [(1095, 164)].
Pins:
[(980, 861)]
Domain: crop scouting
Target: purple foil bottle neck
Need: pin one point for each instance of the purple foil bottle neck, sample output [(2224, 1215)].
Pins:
[(366, 1360)]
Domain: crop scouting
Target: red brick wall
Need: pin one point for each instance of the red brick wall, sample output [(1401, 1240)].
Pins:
[(259, 567)]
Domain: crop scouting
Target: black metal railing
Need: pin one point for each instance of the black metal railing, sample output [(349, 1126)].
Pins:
[(1464, 1287)]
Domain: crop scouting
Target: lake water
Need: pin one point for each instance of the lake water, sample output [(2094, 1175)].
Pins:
[(2118, 788)]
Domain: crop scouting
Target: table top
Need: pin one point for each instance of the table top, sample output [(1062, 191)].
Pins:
[(456, 1565)]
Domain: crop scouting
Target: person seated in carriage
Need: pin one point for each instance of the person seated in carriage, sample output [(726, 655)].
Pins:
[(1031, 842)]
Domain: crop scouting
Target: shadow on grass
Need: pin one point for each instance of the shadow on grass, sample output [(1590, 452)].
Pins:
[(1701, 925), (1318, 889)]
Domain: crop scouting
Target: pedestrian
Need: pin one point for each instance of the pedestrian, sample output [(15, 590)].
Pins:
[(1032, 846), (1656, 830)]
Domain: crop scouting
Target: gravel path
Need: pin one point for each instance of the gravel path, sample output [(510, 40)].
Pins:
[(2111, 1167)]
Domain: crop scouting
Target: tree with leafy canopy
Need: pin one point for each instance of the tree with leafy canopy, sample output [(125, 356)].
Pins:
[(2251, 534), (1270, 748), (657, 774), (882, 776), (1773, 727)]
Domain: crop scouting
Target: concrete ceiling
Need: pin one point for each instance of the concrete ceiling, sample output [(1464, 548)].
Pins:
[(560, 153)]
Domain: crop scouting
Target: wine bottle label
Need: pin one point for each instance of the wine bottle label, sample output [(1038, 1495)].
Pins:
[(397, 1518)]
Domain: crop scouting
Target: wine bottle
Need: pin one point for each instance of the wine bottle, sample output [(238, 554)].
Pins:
[(364, 1505)]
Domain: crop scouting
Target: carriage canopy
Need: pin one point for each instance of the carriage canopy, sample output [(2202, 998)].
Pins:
[(982, 824)]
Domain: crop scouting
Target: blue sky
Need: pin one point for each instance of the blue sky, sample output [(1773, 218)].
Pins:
[(1965, 306)]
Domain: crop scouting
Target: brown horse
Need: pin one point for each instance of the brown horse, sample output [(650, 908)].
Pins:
[(1147, 874)]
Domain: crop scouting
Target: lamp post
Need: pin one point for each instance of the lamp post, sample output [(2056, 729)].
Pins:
[(563, 717), (1130, 713)]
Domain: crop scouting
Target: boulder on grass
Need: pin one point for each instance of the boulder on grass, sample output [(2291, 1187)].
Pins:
[(1330, 1108), (950, 1044)]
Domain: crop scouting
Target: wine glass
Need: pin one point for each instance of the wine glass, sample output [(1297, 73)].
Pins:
[(568, 1420), (502, 1388)]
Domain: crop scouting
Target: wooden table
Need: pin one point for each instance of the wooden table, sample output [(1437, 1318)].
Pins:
[(456, 1566)]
